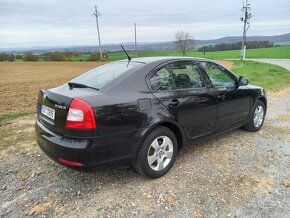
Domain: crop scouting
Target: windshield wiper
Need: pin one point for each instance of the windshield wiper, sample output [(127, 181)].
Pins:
[(79, 85)]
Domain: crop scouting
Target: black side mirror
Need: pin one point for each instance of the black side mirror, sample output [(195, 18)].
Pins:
[(243, 81)]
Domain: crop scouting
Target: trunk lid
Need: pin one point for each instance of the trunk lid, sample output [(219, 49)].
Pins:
[(53, 106)]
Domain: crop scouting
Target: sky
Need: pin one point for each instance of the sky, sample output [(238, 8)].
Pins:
[(36, 23)]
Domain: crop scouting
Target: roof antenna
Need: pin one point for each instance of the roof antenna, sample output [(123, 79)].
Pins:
[(129, 58)]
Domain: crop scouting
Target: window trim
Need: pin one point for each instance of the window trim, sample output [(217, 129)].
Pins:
[(159, 67)]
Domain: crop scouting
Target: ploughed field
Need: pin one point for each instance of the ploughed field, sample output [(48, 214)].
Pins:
[(20, 81)]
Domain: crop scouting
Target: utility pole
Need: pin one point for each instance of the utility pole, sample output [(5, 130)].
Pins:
[(246, 20), (135, 40), (97, 14)]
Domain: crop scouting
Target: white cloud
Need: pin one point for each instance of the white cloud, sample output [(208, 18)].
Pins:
[(25, 23)]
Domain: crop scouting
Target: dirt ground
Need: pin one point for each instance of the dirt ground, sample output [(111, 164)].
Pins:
[(20, 81), (227, 64), (237, 174)]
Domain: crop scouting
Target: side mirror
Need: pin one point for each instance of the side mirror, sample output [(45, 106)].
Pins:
[(243, 81)]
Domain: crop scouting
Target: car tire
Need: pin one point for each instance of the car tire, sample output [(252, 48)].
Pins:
[(257, 117), (157, 153)]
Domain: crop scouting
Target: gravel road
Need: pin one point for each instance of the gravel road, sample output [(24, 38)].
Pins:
[(237, 174)]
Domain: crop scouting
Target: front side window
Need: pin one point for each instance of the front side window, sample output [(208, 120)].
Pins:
[(178, 75), (218, 75), (102, 75)]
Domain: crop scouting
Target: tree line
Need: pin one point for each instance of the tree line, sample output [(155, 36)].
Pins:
[(185, 42), (236, 46), (52, 56)]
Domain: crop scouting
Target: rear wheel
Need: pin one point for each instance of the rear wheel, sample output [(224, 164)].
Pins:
[(257, 117), (157, 154)]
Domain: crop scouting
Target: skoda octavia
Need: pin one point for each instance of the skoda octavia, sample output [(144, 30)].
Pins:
[(142, 112)]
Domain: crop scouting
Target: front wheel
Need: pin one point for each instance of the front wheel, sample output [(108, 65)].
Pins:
[(257, 117), (157, 153)]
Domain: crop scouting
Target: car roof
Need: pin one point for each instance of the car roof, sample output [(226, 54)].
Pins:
[(148, 60)]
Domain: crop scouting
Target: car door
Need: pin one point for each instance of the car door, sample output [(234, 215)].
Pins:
[(233, 100), (181, 88)]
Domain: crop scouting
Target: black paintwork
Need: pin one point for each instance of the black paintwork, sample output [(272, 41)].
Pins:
[(127, 110)]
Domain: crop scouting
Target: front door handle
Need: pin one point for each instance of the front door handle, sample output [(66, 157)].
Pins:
[(174, 103)]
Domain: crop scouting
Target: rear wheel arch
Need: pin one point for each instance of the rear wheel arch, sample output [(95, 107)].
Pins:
[(176, 131), (170, 125)]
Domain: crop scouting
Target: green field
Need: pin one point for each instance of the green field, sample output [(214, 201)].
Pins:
[(82, 57), (277, 52), (269, 76)]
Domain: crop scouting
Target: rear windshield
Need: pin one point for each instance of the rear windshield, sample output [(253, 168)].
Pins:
[(101, 76)]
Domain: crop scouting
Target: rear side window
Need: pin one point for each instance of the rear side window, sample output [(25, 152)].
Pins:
[(178, 75), (161, 80), (218, 75), (101, 76), (186, 75)]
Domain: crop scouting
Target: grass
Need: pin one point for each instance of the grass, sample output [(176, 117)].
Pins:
[(6, 135), (269, 76), (82, 57), (277, 52), (12, 116), (19, 133)]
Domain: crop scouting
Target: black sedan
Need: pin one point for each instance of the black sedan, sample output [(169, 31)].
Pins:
[(142, 112)]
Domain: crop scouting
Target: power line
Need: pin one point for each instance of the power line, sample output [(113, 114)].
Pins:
[(97, 14), (232, 10), (206, 26), (246, 20), (116, 28)]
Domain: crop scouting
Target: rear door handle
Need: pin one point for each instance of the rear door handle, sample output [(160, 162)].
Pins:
[(174, 103), (221, 96)]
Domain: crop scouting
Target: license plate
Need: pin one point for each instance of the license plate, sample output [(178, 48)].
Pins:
[(47, 111)]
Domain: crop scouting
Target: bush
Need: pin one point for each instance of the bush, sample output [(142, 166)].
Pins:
[(7, 57), (94, 56), (18, 56), (236, 46), (30, 57), (69, 56), (55, 56)]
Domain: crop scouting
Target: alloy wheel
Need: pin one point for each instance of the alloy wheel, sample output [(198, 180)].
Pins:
[(258, 116), (160, 153)]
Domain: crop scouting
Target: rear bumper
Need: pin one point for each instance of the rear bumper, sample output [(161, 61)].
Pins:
[(118, 148)]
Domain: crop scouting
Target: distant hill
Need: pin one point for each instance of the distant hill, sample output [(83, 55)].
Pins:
[(280, 39), (231, 39)]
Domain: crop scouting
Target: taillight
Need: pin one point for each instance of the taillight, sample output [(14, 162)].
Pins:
[(80, 115)]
